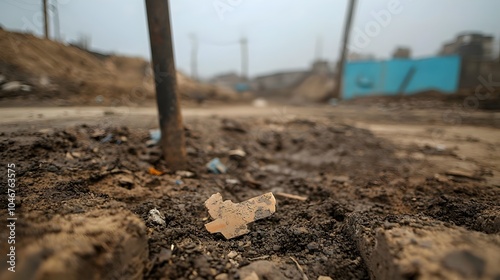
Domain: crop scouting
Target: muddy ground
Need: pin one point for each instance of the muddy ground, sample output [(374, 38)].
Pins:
[(84, 194)]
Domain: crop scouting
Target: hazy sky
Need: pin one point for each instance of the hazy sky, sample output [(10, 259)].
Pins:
[(282, 34)]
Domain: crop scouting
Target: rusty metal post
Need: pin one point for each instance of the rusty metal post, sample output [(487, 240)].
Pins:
[(172, 130), (337, 92), (45, 19)]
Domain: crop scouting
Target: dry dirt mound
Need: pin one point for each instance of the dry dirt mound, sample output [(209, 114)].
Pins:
[(315, 88), (58, 71)]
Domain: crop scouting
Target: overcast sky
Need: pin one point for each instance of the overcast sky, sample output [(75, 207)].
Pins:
[(282, 34)]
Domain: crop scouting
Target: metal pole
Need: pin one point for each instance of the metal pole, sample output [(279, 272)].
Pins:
[(337, 93), (45, 19), (172, 130)]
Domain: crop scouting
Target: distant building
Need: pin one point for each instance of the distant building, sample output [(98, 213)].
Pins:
[(277, 81), (229, 80), (402, 52), (470, 45), (321, 67), (354, 56)]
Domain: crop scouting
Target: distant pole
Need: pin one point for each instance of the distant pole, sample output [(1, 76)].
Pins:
[(244, 58), (172, 130), (45, 19), (337, 93), (194, 57), (57, 26), (319, 48)]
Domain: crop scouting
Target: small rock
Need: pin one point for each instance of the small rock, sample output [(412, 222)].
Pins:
[(185, 174), (262, 269), (232, 125), (155, 216), (14, 86), (126, 181), (340, 179), (232, 255), (324, 278), (237, 154), (222, 276), (313, 246), (164, 255), (232, 181), (251, 276)]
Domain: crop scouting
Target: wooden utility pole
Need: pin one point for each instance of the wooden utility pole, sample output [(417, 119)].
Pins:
[(45, 19), (337, 93), (244, 58), (172, 130)]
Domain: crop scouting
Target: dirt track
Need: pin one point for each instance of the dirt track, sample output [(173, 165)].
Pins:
[(390, 194)]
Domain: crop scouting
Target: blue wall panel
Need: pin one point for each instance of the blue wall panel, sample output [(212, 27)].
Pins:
[(386, 77)]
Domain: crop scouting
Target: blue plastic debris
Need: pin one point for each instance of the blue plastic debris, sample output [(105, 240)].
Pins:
[(108, 138), (155, 135), (179, 182), (215, 166)]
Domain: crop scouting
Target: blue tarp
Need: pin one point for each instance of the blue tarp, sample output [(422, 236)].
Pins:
[(363, 78)]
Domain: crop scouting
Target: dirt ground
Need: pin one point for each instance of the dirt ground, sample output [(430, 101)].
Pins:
[(391, 193)]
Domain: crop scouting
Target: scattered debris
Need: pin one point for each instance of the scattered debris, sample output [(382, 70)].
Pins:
[(304, 276), (232, 255), (126, 181), (237, 154), (155, 135), (216, 166), (154, 171), (231, 219), (463, 174), (185, 174), (15, 86), (259, 258), (292, 196), (232, 125), (340, 179), (232, 181), (259, 103), (156, 217), (98, 133), (108, 138)]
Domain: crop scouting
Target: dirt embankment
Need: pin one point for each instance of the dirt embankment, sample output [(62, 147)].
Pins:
[(59, 74)]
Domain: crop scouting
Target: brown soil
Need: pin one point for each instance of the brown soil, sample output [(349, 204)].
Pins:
[(343, 170)]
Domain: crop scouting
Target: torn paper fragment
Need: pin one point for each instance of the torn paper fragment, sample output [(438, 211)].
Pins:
[(231, 219)]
